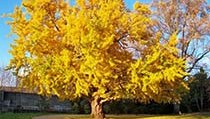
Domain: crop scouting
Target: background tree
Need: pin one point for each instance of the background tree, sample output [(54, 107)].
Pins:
[(85, 50), (6, 78), (199, 89), (191, 20), (197, 99)]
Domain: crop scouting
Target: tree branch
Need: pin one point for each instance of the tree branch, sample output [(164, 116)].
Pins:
[(197, 60), (55, 25), (106, 100)]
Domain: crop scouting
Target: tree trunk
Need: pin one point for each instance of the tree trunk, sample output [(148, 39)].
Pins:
[(201, 100), (97, 108), (201, 96), (177, 108), (189, 110), (197, 104)]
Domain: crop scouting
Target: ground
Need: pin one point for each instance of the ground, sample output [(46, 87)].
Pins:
[(205, 115), (19, 115)]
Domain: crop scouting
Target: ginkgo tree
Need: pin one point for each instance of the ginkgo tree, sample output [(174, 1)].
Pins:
[(96, 49)]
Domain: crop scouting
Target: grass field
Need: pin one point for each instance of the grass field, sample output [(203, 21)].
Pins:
[(18, 115), (205, 115)]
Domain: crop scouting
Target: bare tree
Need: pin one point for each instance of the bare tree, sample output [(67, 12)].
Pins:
[(7, 78), (190, 19)]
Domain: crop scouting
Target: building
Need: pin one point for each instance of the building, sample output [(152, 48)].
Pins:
[(14, 99)]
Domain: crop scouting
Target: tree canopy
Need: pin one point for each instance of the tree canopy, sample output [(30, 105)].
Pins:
[(96, 49)]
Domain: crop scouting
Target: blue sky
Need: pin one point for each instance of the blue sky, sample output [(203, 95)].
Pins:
[(7, 6)]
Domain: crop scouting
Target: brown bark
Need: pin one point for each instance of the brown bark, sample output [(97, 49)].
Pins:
[(97, 108)]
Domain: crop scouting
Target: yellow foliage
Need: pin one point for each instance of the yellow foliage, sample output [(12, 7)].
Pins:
[(83, 50)]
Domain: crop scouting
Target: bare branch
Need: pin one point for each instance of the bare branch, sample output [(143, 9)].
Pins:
[(197, 60)]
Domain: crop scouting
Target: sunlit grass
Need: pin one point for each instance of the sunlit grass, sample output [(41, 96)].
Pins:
[(184, 116)]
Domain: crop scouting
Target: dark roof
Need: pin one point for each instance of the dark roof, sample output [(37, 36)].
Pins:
[(15, 90)]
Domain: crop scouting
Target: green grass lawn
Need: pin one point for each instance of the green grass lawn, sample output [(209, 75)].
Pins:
[(18, 115), (205, 115)]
